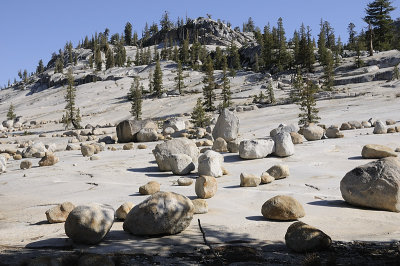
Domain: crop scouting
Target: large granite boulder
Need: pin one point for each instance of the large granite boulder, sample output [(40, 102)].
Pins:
[(375, 151), (181, 164), (210, 164), (301, 237), (256, 148), (89, 224), (163, 151), (374, 185), (206, 187), (163, 213), (284, 128), (59, 213), (147, 135), (284, 146), (127, 129), (380, 127), (227, 126), (177, 124), (3, 164), (313, 132)]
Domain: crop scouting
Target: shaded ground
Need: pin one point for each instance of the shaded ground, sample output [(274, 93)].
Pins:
[(340, 253)]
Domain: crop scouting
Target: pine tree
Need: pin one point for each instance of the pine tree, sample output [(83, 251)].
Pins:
[(97, 59), (381, 23), (72, 115), (322, 50), (209, 86), (128, 33), (282, 57), (179, 78), (151, 81), (329, 71), (157, 79), (234, 57), (267, 47), (308, 111), (226, 88), (352, 36), (40, 67), (11, 113), (218, 58), (59, 67), (297, 86), (91, 61), (199, 116), (136, 98), (25, 76), (184, 52), (256, 66), (165, 22), (271, 94), (109, 59)]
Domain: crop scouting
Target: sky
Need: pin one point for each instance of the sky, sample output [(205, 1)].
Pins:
[(33, 30)]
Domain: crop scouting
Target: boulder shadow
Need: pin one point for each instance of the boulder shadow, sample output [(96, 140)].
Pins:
[(235, 186), (52, 243), (232, 158), (40, 223), (356, 158), (338, 204), (144, 169), (258, 218)]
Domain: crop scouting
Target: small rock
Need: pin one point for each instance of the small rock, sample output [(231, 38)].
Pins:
[(390, 122), (26, 164), (48, 160), (206, 187), (374, 151), (249, 180), (59, 213), (380, 127), (128, 146), (227, 126), (256, 149), (267, 178), (233, 146), (355, 124), (181, 164), (345, 126), (200, 206), (87, 150), (184, 181), (224, 171), (220, 145), (147, 135), (391, 130), (279, 171), (142, 146), (333, 132), (366, 124), (282, 208), (72, 147), (123, 210), (94, 158), (150, 188), (17, 157), (208, 142), (313, 132), (301, 237), (296, 138)]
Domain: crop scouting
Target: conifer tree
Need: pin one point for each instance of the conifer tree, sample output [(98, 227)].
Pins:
[(234, 57), (157, 79), (59, 67), (218, 58), (271, 94), (11, 113), (136, 98), (25, 76), (256, 66), (209, 86), (282, 57), (352, 36), (267, 47), (40, 67), (151, 81), (322, 50), (226, 88), (109, 59), (308, 111), (184, 52), (128, 33), (381, 23), (91, 61), (329, 71), (179, 78), (72, 115), (199, 116), (97, 59)]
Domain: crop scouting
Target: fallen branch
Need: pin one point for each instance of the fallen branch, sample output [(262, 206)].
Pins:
[(311, 186), (208, 244)]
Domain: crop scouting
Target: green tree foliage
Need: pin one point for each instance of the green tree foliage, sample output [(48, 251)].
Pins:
[(352, 36), (308, 111), (120, 55), (91, 61), (165, 22), (151, 86), (271, 95), (135, 95), (128, 33), (322, 49), (209, 86), (25, 76), (378, 17), (97, 59), (59, 66), (256, 65), (179, 78), (226, 88), (234, 57), (109, 59), (157, 79), (72, 115), (329, 73), (40, 67), (184, 52), (199, 116), (11, 113), (282, 57), (218, 58), (267, 48), (249, 25)]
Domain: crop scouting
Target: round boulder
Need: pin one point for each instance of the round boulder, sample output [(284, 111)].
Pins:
[(181, 164), (89, 224), (206, 187), (282, 208), (210, 164), (301, 237), (123, 210), (59, 213), (313, 132), (375, 151), (279, 171), (150, 188), (162, 213)]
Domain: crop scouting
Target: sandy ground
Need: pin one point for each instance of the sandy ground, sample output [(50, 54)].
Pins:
[(234, 212)]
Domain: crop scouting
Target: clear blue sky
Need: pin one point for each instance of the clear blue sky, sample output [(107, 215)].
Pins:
[(32, 30)]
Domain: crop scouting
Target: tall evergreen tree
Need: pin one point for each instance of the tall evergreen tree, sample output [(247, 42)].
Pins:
[(11, 113), (378, 17), (59, 66), (209, 86), (179, 78), (128, 33), (157, 79), (184, 52), (165, 22), (40, 67), (72, 115), (308, 111), (267, 47), (25, 76), (97, 59), (151, 81), (226, 88), (329, 71), (218, 58), (199, 116), (109, 59), (322, 49), (352, 36), (136, 98), (282, 57), (234, 57), (271, 94), (256, 66)]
